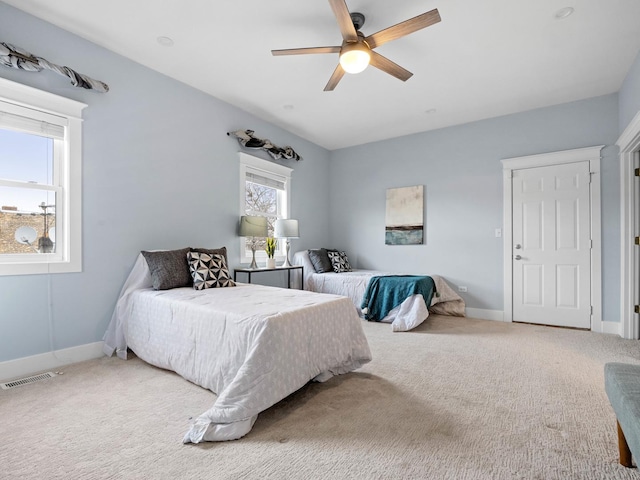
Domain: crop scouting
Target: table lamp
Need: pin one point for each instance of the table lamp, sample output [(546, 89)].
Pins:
[(253, 226), (286, 228)]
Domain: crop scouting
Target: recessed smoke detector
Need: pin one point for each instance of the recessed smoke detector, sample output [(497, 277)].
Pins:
[(165, 41), (564, 12)]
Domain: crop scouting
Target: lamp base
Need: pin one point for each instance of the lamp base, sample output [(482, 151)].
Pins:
[(286, 258), (253, 259)]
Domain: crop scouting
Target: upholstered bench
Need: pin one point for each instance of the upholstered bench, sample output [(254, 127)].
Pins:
[(622, 384)]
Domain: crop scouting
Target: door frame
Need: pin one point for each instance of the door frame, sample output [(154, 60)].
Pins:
[(629, 144), (593, 156)]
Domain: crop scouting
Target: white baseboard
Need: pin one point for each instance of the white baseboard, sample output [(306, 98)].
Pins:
[(481, 313), (614, 328), (46, 361)]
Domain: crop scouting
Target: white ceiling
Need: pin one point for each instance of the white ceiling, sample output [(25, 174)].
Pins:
[(486, 58)]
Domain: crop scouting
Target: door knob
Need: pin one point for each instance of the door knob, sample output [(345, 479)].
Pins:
[(517, 257), (518, 246)]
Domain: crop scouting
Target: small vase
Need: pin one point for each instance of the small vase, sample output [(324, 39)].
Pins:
[(271, 263)]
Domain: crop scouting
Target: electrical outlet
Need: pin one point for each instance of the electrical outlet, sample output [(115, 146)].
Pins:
[(462, 289)]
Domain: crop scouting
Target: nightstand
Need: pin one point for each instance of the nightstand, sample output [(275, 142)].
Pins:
[(250, 271)]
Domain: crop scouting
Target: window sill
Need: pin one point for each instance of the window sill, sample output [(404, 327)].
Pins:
[(8, 269)]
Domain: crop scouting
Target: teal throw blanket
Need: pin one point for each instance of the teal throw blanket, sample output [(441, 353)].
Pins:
[(384, 293)]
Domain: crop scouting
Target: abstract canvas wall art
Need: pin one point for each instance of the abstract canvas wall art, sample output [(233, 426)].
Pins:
[(404, 218)]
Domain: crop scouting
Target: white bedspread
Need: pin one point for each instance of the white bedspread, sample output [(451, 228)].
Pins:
[(406, 316), (252, 345)]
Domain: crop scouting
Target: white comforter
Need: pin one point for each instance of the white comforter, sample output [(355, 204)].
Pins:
[(406, 316), (252, 345)]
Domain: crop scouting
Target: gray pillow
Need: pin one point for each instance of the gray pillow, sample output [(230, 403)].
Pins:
[(214, 251), (320, 260), (169, 268)]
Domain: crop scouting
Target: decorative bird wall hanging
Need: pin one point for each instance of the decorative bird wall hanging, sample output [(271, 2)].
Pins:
[(15, 57), (247, 140)]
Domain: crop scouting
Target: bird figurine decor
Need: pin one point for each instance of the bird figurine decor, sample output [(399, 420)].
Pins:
[(248, 140)]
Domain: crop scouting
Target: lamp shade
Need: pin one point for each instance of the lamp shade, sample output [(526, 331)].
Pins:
[(253, 226), (354, 57), (286, 228)]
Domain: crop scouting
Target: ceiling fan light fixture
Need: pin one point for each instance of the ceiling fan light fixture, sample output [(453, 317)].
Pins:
[(356, 50), (354, 58)]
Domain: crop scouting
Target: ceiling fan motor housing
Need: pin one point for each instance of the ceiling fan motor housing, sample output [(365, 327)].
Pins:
[(357, 19)]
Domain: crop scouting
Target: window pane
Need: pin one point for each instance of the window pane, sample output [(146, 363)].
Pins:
[(26, 157), (260, 199), (27, 221)]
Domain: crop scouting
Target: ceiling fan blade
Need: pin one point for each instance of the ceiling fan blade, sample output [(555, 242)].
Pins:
[(337, 75), (345, 23), (386, 65), (403, 28), (302, 51)]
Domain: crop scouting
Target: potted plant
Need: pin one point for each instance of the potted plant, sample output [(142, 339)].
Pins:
[(270, 248)]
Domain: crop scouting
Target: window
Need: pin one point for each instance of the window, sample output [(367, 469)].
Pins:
[(40, 175), (265, 191)]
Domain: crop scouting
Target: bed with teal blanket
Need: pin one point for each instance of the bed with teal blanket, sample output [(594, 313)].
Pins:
[(386, 292), (404, 301)]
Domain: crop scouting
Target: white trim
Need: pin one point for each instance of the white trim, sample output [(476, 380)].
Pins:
[(483, 314), (265, 165), (597, 324), (590, 154), (270, 169), (613, 328), (28, 96), (552, 158), (72, 226), (69, 113), (507, 236), (46, 361), (629, 143)]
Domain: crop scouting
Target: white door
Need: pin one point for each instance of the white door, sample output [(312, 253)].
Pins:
[(552, 245)]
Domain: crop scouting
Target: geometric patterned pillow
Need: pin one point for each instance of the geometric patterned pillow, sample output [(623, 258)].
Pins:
[(339, 261), (209, 271), (212, 251)]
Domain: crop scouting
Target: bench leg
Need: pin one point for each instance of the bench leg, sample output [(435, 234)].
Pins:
[(625, 453)]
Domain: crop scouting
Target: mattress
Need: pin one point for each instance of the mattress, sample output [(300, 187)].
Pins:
[(252, 345)]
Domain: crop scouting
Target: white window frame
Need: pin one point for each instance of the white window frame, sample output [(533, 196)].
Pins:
[(249, 163), (40, 105)]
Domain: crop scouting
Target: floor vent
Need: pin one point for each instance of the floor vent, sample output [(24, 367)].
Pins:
[(26, 380)]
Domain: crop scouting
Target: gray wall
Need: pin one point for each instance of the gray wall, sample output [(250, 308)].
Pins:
[(462, 174), (159, 171), (152, 146), (630, 95)]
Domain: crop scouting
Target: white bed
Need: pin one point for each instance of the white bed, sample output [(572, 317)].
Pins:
[(251, 345), (408, 315)]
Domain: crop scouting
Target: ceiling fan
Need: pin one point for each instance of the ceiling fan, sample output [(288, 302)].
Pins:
[(356, 51)]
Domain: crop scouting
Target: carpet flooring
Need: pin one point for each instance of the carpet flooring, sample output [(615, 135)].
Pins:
[(457, 398)]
